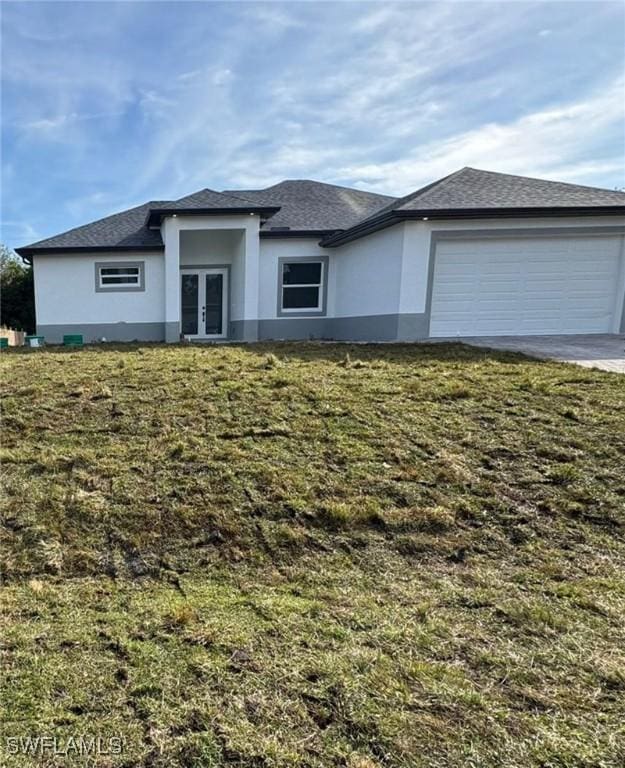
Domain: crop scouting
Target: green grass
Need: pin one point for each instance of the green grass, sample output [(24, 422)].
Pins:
[(313, 555)]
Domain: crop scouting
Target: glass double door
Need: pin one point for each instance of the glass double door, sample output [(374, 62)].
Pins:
[(204, 303)]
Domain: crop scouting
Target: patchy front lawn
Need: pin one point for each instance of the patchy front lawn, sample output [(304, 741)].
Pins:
[(313, 555)]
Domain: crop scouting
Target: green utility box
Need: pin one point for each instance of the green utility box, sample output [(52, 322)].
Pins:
[(72, 340), (34, 341), (4, 342)]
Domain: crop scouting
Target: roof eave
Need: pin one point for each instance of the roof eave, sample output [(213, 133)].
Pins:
[(280, 233), (156, 215), (360, 230), (396, 216), (516, 212), (28, 251)]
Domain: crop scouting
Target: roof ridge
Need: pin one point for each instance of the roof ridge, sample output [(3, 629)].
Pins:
[(237, 197), (213, 192), (321, 184), (429, 187), (399, 201)]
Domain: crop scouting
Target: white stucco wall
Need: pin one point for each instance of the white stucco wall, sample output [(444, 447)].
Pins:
[(208, 246), (363, 276), (65, 290), (368, 274), (384, 273)]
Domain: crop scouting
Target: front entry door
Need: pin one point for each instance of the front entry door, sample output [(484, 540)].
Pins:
[(204, 303)]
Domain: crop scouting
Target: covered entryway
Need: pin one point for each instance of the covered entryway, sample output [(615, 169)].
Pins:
[(527, 285)]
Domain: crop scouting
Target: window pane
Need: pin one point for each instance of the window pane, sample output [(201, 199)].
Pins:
[(300, 298), (132, 279), (214, 304), (301, 273), (189, 304), (119, 271)]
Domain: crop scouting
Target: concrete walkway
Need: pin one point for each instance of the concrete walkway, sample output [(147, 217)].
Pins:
[(605, 351)]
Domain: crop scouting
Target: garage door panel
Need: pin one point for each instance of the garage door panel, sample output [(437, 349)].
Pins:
[(525, 286), (482, 327)]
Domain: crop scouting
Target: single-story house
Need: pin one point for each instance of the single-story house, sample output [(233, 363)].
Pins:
[(475, 253)]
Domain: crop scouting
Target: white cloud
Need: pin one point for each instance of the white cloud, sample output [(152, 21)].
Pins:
[(46, 124), (271, 16), (81, 206), (221, 77), (188, 75), (552, 143), (18, 231), (57, 128), (383, 96)]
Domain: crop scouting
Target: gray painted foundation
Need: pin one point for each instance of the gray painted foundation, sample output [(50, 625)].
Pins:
[(172, 332), (412, 327), (243, 330), (363, 328), (93, 332), (293, 328)]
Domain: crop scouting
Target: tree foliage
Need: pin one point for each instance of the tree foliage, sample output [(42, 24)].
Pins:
[(17, 295)]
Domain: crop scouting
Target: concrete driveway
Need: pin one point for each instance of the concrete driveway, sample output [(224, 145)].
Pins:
[(605, 351)]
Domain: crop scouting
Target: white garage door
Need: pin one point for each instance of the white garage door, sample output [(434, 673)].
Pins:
[(525, 286)]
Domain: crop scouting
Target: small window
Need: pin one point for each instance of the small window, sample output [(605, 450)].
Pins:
[(113, 276), (301, 286)]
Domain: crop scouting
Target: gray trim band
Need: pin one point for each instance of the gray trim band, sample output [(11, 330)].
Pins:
[(140, 265), (621, 282), (491, 233), (94, 332), (324, 286), (409, 327), (295, 328), (244, 330), (365, 328)]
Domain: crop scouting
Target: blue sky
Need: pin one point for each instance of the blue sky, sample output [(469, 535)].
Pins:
[(107, 105)]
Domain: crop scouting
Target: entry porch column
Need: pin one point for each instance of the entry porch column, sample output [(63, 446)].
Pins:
[(171, 238)]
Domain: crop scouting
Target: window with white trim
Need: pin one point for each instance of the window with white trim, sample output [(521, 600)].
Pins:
[(118, 276), (302, 286)]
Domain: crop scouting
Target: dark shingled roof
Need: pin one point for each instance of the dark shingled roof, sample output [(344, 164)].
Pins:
[(472, 188), (341, 213), (121, 230), (209, 198), (300, 205), (314, 206), (470, 191), (208, 201)]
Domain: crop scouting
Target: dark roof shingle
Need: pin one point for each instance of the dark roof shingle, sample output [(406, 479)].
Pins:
[(473, 188), (486, 193), (207, 201), (314, 206), (310, 206), (126, 229), (209, 198)]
